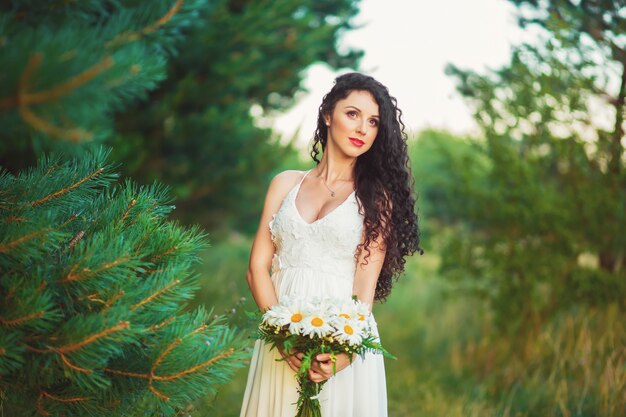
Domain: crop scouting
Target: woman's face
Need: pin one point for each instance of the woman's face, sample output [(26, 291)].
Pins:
[(353, 125)]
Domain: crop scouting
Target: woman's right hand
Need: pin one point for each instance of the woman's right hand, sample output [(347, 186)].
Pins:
[(293, 358)]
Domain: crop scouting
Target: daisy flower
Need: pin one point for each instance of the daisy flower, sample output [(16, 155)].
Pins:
[(349, 331), (347, 310), (296, 312), (317, 324), (289, 313), (275, 315), (363, 313)]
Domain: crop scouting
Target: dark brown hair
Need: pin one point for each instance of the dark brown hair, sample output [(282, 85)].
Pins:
[(383, 180)]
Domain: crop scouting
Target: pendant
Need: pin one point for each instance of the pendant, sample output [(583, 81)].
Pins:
[(332, 193)]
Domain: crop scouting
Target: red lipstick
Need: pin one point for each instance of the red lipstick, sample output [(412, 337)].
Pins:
[(356, 142)]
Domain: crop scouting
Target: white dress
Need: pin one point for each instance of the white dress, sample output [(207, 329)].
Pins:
[(314, 259)]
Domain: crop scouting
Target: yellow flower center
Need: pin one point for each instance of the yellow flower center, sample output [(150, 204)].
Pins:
[(345, 315), (348, 330), (296, 318), (361, 317), (317, 322)]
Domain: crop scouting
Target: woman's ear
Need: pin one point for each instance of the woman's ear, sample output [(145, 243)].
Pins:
[(327, 119)]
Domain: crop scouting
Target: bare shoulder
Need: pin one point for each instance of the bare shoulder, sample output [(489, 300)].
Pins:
[(282, 183), (288, 177)]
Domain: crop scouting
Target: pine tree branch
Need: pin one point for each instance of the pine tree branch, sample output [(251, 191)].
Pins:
[(155, 295), (28, 99), (25, 99), (21, 239), (74, 367), (151, 376), (20, 320), (157, 393), (162, 254), (67, 189), (116, 82), (159, 325), (42, 411), (163, 354), (43, 395), (112, 300), (51, 169), (78, 236), (185, 372), (75, 346), (88, 272), (126, 37), (33, 62), (13, 219), (93, 298), (34, 349), (130, 206), (64, 400), (196, 368), (143, 241), (42, 125)]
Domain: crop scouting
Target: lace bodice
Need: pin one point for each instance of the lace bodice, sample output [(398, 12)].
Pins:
[(327, 245)]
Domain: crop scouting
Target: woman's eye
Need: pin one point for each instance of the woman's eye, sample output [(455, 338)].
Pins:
[(352, 113), (374, 122)]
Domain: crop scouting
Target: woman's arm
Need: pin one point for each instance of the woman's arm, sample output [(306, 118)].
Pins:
[(366, 275), (258, 274)]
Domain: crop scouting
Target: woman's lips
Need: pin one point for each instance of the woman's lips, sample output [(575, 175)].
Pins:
[(356, 142)]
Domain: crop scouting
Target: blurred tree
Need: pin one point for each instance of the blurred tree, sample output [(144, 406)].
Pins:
[(444, 165), (94, 280), (542, 232), (196, 131), (68, 66)]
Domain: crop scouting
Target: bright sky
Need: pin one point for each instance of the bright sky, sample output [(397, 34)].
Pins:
[(407, 45)]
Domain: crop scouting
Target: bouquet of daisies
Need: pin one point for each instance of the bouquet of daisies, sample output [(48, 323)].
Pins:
[(319, 326)]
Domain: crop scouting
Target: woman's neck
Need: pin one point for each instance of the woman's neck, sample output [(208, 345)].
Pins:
[(333, 169)]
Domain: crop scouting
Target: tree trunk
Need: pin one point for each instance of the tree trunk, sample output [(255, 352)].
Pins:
[(615, 157), (609, 258)]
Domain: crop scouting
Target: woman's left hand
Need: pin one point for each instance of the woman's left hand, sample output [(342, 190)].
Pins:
[(322, 367)]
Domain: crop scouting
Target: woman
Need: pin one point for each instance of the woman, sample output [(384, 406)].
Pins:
[(342, 228)]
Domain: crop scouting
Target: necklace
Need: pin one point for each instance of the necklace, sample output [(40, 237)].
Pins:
[(332, 193)]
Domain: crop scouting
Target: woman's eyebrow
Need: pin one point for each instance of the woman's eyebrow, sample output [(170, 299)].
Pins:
[(356, 108)]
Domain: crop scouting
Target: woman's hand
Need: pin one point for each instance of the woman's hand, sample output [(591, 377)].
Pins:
[(322, 366), (293, 358)]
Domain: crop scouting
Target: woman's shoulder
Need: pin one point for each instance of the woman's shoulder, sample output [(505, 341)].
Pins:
[(283, 182), (287, 178)]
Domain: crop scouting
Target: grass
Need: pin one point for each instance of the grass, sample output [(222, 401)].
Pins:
[(451, 361)]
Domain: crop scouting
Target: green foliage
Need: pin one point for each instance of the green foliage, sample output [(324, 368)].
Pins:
[(95, 281), (452, 360), (535, 232), (196, 131), (67, 68), (443, 166), (79, 73)]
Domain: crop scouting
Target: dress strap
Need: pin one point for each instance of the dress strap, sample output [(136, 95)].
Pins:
[(302, 179)]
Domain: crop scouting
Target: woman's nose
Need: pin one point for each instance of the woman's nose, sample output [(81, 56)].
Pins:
[(362, 127)]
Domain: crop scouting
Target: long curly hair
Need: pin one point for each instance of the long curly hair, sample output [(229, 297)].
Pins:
[(383, 180)]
